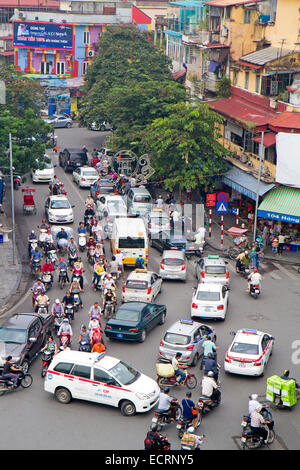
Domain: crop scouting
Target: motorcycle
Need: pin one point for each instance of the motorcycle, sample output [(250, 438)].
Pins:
[(46, 358), (36, 267), (184, 423), (57, 321), (42, 309), (87, 222), (62, 278), (90, 255), (207, 404), (62, 245), (64, 339), (109, 309), (47, 280), (98, 282), (251, 440), (77, 301), (84, 346), (73, 257), (96, 335), (6, 384), (265, 412), (35, 294), (52, 257), (32, 246), (81, 241), (16, 182), (42, 237), (69, 312), (163, 418), (243, 270), (190, 381), (254, 290)]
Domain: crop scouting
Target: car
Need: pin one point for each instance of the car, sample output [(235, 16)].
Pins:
[(166, 240), (106, 151), (100, 126), (102, 186), (22, 336), (141, 285), (45, 171), (185, 336), (85, 176), (100, 379), (173, 265), (59, 121), (133, 321), (112, 207), (210, 301), (156, 221), (249, 352), (138, 201), (71, 158), (213, 269), (59, 210)]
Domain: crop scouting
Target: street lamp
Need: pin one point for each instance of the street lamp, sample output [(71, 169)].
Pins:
[(261, 155)]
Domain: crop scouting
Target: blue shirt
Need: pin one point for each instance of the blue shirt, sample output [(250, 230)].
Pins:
[(208, 347), (81, 230), (36, 255), (187, 406)]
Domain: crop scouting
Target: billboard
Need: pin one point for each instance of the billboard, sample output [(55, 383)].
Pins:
[(287, 167), (32, 34)]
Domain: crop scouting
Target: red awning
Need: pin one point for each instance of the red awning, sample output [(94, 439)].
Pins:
[(248, 64), (179, 74), (269, 139), (285, 122)]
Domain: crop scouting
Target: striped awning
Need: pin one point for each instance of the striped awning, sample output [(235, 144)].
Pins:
[(282, 204)]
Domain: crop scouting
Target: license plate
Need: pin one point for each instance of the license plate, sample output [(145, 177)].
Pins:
[(242, 364), (178, 426), (256, 291), (243, 439), (154, 420), (207, 309), (244, 424), (119, 335)]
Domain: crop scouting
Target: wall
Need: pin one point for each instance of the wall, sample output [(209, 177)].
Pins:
[(286, 26)]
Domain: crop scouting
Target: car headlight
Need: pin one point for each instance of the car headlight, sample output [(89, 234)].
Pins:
[(142, 396)]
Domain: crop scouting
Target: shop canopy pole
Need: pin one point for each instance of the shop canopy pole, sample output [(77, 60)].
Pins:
[(261, 154)]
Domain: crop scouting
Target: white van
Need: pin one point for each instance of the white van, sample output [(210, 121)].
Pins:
[(129, 235), (101, 379)]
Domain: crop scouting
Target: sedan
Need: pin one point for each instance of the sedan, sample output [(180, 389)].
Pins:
[(59, 121), (100, 126), (133, 320), (210, 301), (166, 240), (85, 176), (142, 286), (173, 265), (59, 210)]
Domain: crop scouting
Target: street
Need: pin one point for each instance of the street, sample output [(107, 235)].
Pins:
[(86, 425)]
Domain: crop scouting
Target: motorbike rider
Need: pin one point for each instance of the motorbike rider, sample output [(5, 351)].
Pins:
[(109, 296), (48, 239), (164, 404), (97, 231), (114, 267), (68, 299), (36, 255), (31, 238), (62, 238), (75, 288), (49, 247), (43, 226), (256, 420), (42, 300), (94, 323), (95, 310), (89, 201), (253, 403), (57, 308), (156, 441), (210, 364), (50, 346), (210, 388), (91, 243), (72, 245), (84, 336), (242, 261), (189, 409), (78, 269), (38, 286), (65, 327), (8, 371), (198, 440), (81, 230), (98, 271), (108, 283), (89, 212), (48, 268), (98, 347), (62, 265), (177, 368), (254, 279), (209, 347), (119, 258), (286, 376)]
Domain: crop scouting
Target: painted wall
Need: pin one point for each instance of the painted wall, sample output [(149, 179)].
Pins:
[(286, 25)]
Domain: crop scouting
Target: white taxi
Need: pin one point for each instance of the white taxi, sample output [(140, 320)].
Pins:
[(101, 379), (210, 301), (141, 286), (249, 352)]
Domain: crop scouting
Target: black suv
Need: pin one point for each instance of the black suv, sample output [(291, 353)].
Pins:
[(70, 159), (22, 336), (102, 186)]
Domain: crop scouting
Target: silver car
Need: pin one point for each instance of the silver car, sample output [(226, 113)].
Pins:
[(213, 270), (59, 121), (157, 221), (173, 265), (185, 336)]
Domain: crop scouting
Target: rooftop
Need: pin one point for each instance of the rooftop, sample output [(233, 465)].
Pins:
[(228, 3), (263, 56)]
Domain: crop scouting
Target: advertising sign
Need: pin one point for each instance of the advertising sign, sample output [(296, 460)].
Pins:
[(31, 34), (210, 200)]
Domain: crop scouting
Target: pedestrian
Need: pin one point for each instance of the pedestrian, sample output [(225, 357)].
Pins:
[(119, 258), (275, 244), (189, 193), (56, 148), (281, 240), (265, 234), (251, 220)]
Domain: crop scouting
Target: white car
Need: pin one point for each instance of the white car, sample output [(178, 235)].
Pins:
[(59, 210), (85, 176), (100, 379), (141, 286), (249, 352), (210, 301), (45, 173)]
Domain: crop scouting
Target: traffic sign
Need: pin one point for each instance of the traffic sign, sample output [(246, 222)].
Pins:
[(222, 197), (211, 200), (222, 207), (234, 210)]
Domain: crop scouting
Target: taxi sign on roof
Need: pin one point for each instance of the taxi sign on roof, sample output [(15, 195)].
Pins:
[(251, 332), (139, 270), (213, 256), (186, 321)]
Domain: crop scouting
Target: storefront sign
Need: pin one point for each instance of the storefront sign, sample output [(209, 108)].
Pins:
[(31, 34), (210, 200), (291, 219)]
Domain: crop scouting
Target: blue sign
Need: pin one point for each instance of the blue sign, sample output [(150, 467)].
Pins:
[(222, 207), (32, 34), (292, 219), (222, 197), (234, 210)]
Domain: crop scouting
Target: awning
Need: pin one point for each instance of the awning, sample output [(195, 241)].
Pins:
[(179, 74), (282, 204), (269, 139), (244, 183)]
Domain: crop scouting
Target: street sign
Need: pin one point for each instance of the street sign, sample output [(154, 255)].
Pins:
[(211, 200), (234, 210), (222, 197), (222, 208)]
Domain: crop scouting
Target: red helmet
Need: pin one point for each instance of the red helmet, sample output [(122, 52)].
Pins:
[(61, 259), (255, 270)]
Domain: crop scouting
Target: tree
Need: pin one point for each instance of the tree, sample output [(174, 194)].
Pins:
[(184, 148)]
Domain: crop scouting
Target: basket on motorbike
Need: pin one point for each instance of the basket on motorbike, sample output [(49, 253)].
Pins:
[(28, 201), (165, 370)]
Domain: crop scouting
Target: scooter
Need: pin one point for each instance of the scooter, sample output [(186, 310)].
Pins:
[(42, 237), (109, 309), (251, 440), (73, 257), (32, 246), (85, 346), (46, 358), (90, 255), (77, 301), (57, 321), (163, 418), (64, 339), (62, 278), (254, 291), (52, 257), (243, 270), (6, 384), (42, 309), (36, 267), (69, 312), (47, 280), (16, 182), (190, 381), (82, 241)]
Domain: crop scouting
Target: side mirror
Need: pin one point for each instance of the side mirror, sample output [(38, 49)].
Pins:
[(54, 166), (33, 340), (232, 333)]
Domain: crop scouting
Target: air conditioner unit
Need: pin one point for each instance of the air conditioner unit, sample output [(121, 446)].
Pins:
[(90, 53)]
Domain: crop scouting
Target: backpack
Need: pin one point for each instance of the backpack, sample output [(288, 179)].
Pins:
[(155, 441), (138, 264), (188, 441)]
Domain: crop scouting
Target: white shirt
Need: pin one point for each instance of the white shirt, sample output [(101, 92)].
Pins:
[(202, 232), (208, 385), (255, 278), (119, 258), (93, 324), (256, 419), (159, 203), (252, 405), (164, 402), (175, 363)]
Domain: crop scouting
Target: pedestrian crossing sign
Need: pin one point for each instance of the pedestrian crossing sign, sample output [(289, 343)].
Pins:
[(222, 207)]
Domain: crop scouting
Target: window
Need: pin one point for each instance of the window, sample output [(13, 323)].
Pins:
[(104, 377), (45, 67), (257, 83), (235, 77), (63, 367), (246, 80), (81, 371), (86, 37), (85, 66), (247, 16), (60, 68)]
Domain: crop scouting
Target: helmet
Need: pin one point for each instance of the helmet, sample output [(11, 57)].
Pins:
[(255, 270), (258, 408), (48, 230), (32, 231), (57, 301), (44, 220), (66, 320), (246, 253), (118, 251), (61, 259), (286, 373), (190, 429), (154, 427), (254, 396), (210, 373)]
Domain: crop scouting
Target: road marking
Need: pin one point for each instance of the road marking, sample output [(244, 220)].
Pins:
[(275, 276), (286, 272)]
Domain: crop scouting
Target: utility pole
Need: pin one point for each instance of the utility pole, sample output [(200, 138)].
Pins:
[(12, 202), (261, 155)]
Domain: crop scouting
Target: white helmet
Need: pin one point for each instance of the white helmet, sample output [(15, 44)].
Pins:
[(190, 429), (254, 396), (210, 373), (57, 301), (258, 408)]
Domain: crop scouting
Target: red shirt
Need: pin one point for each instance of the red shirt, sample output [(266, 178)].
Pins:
[(48, 267)]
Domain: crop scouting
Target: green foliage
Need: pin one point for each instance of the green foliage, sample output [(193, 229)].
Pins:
[(184, 148), (224, 87)]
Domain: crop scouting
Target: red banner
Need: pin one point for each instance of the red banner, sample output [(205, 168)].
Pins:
[(210, 200)]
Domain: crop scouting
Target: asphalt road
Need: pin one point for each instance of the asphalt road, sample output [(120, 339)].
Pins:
[(85, 425)]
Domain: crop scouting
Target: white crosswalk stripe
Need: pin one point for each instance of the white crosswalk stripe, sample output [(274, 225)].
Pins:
[(286, 272)]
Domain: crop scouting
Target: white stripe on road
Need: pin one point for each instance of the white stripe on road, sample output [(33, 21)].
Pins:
[(286, 272)]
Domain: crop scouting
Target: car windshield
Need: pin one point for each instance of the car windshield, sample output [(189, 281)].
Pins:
[(127, 315), (245, 348), (124, 373), (115, 206), (131, 284), (11, 335), (172, 261), (45, 164), (60, 204), (132, 242), (215, 269), (143, 199), (174, 338), (90, 172), (210, 296)]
